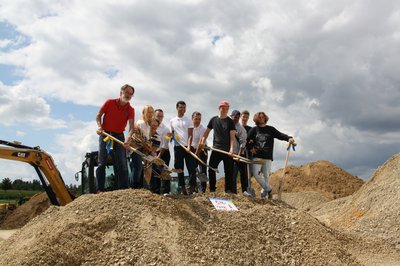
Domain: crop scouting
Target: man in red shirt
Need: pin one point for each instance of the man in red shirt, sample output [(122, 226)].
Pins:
[(112, 118)]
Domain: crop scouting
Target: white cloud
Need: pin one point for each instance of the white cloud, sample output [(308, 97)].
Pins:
[(324, 72), (20, 133), (70, 148), (18, 105)]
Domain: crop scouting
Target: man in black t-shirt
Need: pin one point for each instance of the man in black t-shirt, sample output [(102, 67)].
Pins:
[(224, 139)]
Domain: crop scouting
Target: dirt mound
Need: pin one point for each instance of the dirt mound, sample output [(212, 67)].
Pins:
[(374, 210), (305, 200), (27, 211), (137, 227), (321, 176)]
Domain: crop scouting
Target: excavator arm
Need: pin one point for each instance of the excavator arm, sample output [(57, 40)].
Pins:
[(44, 165)]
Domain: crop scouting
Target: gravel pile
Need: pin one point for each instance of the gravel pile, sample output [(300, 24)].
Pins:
[(136, 227), (322, 176), (373, 211), (27, 211)]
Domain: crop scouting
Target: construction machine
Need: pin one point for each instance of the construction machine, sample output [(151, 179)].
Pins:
[(87, 174), (44, 166)]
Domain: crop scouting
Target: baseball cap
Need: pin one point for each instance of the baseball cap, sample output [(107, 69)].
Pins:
[(235, 113), (223, 103)]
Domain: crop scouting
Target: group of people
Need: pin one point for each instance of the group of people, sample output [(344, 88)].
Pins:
[(231, 136)]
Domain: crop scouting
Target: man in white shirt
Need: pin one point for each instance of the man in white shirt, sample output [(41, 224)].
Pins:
[(163, 150), (198, 132), (182, 129)]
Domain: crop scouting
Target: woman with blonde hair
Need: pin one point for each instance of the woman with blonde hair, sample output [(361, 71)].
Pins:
[(260, 140), (142, 130)]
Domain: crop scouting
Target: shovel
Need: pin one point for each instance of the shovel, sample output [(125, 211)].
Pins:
[(149, 158), (280, 186), (236, 157), (195, 155)]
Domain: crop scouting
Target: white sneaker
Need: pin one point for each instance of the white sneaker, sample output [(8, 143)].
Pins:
[(264, 193), (247, 194)]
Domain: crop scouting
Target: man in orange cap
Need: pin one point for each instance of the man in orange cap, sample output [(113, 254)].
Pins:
[(224, 139)]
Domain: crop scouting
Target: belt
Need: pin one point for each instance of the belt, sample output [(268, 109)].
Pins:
[(113, 133)]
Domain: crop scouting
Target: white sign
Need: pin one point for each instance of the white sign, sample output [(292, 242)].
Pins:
[(223, 204)]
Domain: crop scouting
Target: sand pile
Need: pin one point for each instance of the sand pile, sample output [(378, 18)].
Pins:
[(321, 176), (374, 210), (24, 213), (137, 227)]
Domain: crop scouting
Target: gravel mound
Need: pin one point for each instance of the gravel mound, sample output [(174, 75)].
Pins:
[(373, 211), (136, 227), (321, 176), (27, 211), (304, 201)]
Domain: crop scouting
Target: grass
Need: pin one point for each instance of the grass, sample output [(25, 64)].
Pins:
[(8, 201), (16, 194)]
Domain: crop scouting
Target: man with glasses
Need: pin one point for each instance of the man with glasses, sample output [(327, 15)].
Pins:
[(112, 119), (163, 151)]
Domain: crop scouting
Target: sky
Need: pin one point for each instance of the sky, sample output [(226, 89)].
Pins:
[(326, 72)]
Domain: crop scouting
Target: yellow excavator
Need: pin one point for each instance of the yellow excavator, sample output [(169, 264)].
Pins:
[(43, 163)]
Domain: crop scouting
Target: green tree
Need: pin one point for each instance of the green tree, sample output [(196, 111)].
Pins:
[(6, 184), (36, 185)]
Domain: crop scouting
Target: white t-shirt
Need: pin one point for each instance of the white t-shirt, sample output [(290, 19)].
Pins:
[(162, 131), (144, 128), (198, 133), (180, 126)]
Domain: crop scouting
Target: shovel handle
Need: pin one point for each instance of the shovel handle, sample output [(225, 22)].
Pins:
[(280, 185), (146, 157), (196, 157)]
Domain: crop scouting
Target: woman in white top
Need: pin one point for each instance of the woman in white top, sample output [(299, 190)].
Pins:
[(143, 125)]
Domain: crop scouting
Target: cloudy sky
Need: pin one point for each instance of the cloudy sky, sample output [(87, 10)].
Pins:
[(325, 72)]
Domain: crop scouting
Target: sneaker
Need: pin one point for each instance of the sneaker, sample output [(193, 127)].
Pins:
[(263, 194), (247, 194), (270, 195)]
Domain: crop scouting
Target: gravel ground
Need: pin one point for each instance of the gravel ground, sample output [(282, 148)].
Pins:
[(135, 227)]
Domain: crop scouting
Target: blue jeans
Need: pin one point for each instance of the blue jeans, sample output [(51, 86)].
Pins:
[(136, 177), (118, 155), (261, 174)]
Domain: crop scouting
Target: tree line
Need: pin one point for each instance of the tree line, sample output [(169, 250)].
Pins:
[(19, 184), (34, 185)]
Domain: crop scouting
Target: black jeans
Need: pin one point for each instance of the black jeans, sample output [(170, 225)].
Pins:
[(181, 157), (202, 169), (240, 167), (215, 159), (156, 184)]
